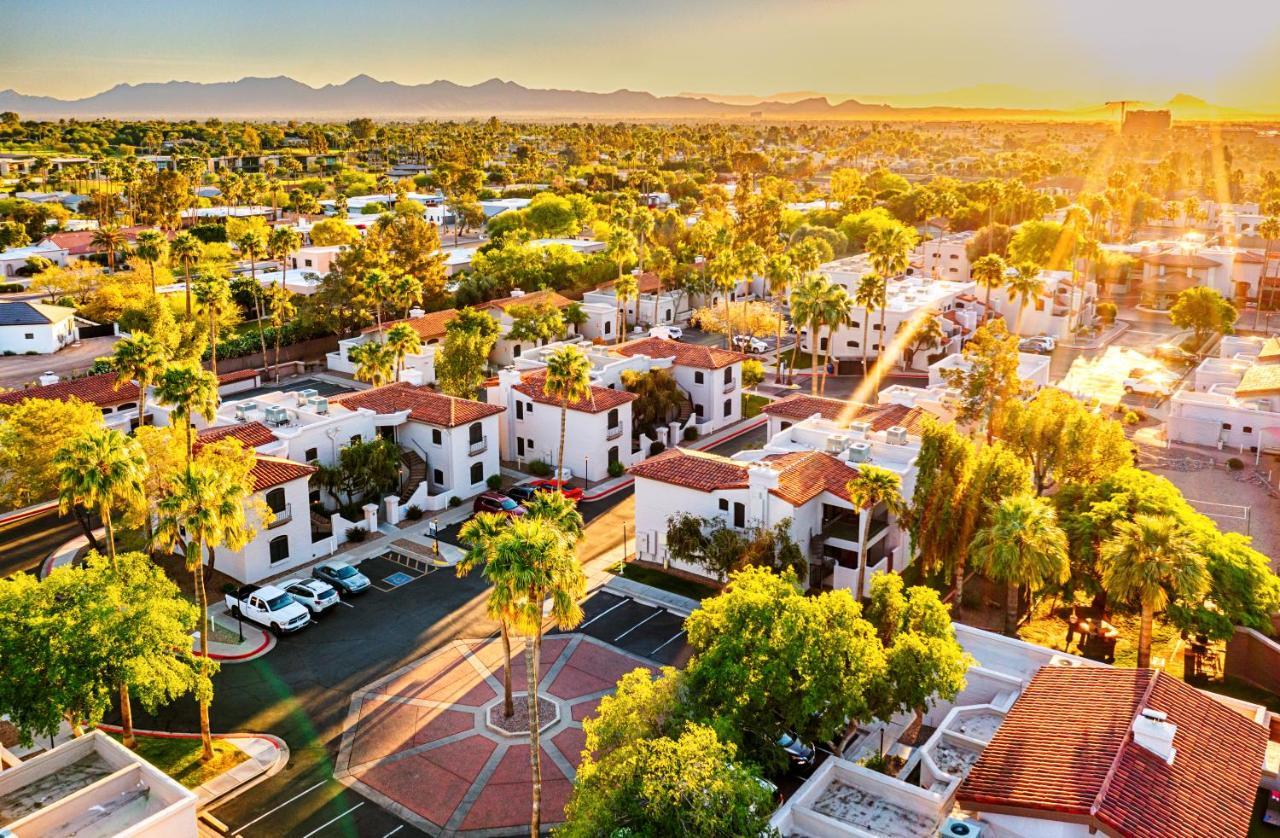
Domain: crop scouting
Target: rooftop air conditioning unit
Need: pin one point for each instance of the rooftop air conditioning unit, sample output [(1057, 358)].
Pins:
[(897, 435), (277, 415), (305, 395), (319, 404), (859, 452), (240, 413), (958, 828), (836, 443), (247, 407), (860, 429)]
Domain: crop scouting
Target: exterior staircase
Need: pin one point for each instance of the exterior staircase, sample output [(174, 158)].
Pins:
[(417, 472), (321, 525)]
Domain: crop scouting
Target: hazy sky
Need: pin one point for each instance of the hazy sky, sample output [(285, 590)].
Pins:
[(1227, 51)]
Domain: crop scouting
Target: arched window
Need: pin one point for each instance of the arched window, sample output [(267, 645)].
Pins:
[(279, 548), (475, 433), (275, 500)]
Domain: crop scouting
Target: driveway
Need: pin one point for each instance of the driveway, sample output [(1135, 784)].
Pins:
[(19, 370)]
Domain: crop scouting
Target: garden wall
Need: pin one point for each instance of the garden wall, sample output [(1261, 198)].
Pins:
[(1254, 658)]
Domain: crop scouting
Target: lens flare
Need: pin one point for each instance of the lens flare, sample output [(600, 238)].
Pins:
[(870, 385)]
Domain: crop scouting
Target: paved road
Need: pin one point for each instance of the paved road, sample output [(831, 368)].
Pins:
[(24, 545), (18, 370)]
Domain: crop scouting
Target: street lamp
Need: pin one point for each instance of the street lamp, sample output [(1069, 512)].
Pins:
[(435, 535), (586, 470)]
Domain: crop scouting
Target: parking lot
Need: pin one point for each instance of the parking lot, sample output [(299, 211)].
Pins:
[(646, 630)]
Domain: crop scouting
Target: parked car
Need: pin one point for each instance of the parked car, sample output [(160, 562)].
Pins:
[(1174, 353), (798, 752), (1041, 345), (672, 332), (573, 493), (1148, 385), (314, 594), (342, 576), (498, 503), (746, 343), (268, 606), (523, 492)]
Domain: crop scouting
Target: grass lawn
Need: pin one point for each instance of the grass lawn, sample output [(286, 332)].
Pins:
[(1049, 628), (667, 582), (799, 361), (752, 405), (180, 758)]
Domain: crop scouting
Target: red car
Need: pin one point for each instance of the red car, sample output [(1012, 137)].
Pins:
[(573, 493), (497, 503)]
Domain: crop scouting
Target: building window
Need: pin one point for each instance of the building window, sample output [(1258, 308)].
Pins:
[(1246, 429), (739, 515), (851, 344), (528, 408), (1226, 426), (275, 500), (436, 436), (307, 262), (515, 351), (475, 433), (355, 439), (29, 336), (608, 327), (312, 455), (519, 410), (783, 426), (728, 375), (724, 504), (697, 410), (697, 377), (477, 473), (728, 407), (279, 548), (613, 455), (613, 418), (437, 476)]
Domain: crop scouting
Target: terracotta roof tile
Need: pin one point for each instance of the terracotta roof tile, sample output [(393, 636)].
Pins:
[(95, 389), (600, 400), (429, 326), (250, 434), (1259, 380), (424, 405), (685, 354), (531, 299), (1179, 260), (881, 417), (275, 471), (693, 470), (647, 282), (239, 375), (803, 475), (1270, 351), (1065, 751)]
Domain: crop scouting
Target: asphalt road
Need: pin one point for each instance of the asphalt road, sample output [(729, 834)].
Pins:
[(24, 545)]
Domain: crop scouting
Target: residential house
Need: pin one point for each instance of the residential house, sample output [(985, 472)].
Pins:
[(15, 259), (118, 403), (1054, 311), (945, 257), (597, 428), (419, 367), (78, 244), (709, 376), (1170, 267), (27, 328), (317, 259), (599, 322), (649, 307), (1232, 403), (16, 165)]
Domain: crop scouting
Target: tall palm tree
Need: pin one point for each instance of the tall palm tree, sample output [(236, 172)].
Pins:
[(837, 311), (189, 391), (870, 291), (928, 335), (536, 559), (1077, 222), (280, 309), (138, 358), (989, 272), (204, 510), (186, 250), (889, 251), (781, 273), (661, 262), (479, 535), (150, 247), (402, 340), (751, 263), (807, 306), (568, 381), (625, 288), (375, 362), (1269, 229), (1024, 286), (872, 487), (251, 245), (110, 239), (1022, 545), (1148, 560), (378, 284), (214, 296), (722, 272), (282, 242)]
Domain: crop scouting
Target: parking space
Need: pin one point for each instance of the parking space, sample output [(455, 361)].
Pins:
[(323, 807), (393, 570), (646, 630)]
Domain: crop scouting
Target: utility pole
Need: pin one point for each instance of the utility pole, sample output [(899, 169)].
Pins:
[(1123, 104)]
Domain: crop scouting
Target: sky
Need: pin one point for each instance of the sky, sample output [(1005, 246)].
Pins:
[(1067, 52)]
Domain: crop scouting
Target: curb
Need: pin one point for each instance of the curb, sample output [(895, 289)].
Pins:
[(267, 644)]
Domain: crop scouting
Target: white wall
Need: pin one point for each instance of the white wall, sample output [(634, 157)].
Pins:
[(452, 456), (45, 338), (253, 563), (710, 395)]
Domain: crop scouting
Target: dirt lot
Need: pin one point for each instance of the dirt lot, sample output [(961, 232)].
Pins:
[(19, 370), (1217, 493)]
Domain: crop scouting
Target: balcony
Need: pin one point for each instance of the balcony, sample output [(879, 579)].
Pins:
[(730, 386), (614, 432), (479, 446), (283, 516)]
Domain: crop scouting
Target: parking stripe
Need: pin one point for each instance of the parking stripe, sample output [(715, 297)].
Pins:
[(673, 638), (334, 820), (606, 611), (639, 624), (282, 805)]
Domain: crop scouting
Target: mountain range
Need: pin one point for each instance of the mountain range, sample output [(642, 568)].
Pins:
[(282, 97)]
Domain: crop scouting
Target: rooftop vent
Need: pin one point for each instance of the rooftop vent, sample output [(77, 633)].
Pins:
[(1153, 731), (836, 443), (897, 435), (319, 404), (277, 415), (305, 395), (860, 429)]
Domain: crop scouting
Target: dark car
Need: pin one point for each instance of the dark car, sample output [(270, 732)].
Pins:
[(522, 493), (342, 576), (1173, 353), (798, 752), (497, 503)]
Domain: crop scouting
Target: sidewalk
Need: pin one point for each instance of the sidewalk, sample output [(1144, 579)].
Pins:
[(1113, 331), (257, 640), (66, 554)]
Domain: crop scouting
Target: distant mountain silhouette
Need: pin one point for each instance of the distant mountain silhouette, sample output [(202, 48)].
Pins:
[(284, 98)]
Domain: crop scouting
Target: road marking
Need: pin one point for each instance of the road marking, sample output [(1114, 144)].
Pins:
[(394, 831), (282, 805), (639, 624), (659, 649), (349, 605), (338, 818), (606, 611)]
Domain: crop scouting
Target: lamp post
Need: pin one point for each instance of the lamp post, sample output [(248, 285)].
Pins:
[(586, 470), (435, 536)]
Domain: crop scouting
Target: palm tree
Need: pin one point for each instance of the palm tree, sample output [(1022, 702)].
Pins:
[(1022, 545), (989, 272), (837, 311), (1078, 219), (928, 335), (661, 262), (781, 273), (139, 358), (620, 247), (872, 487), (658, 397), (1148, 560), (189, 391), (568, 381), (402, 340), (889, 251), (186, 250), (1024, 285), (722, 271), (625, 288), (204, 510), (280, 309), (807, 306), (150, 248), (375, 362), (251, 245), (870, 291), (1269, 229), (282, 242), (536, 560), (97, 470), (110, 239), (478, 535), (214, 296), (378, 285)]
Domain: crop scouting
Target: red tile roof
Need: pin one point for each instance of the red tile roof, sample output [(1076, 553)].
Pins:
[(95, 389), (693, 470), (685, 354), (1065, 752), (531, 299), (239, 375), (80, 242), (600, 400), (1179, 260), (275, 471), (424, 405), (647, 283), (803, 475), (881, 417), (250, 434), (428, 326)]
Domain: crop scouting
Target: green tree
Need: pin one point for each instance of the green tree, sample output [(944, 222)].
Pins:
[(874, 486), (479, 535), (1146, 560), (1024, 286), (220, 310), (150, 248), (31, 432), (989, 272), (138, 358), (463, 359), (889, 250), (402, 341), (625, 289), (188, 391), (110, 239), (252, 244), (568, 381), (808, 300), (280, 310), (1204, 311), (659, 397), (537, 323), (375, 362), (1022, 546), (98, 470), (186, 250), (869, 295), (1062, 439), (989, 379), (782, 273)]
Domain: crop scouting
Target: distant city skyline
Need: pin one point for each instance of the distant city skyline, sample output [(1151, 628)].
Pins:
[(1016, 53)]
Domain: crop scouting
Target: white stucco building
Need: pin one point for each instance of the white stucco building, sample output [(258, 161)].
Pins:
[(1231, 404), (711, 377), (419, 367), (27, 328)]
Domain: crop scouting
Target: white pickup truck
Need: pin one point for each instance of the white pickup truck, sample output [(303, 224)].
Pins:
[(269, 606)]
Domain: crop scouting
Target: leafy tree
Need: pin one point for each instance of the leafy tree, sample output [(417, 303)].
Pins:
[(98, 470), (139, 358), (281, 310), (937, 504), (1205, 312), (989, 272), (331, 231), (870, 295), (410, 246), (552, 216), (872, 487), (992, 240), (1022, 546), (808, 301), (375, 362), (659, 397), (150, 247), (1024, 286), (1044, 243), (31, 433), (189, 391), (365, 468), (1061, 438), (463, 359), (536, 323), (402, 340), (989, 381), (185, 250)]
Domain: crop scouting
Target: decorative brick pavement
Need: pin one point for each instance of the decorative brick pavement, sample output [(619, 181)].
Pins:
[(416, 740)]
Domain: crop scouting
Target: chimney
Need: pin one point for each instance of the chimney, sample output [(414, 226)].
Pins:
[(415, 313), (1153, 731)]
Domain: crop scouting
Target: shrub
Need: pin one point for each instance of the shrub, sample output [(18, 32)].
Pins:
[(1235, 464), (356, 534), (616, 468), (413, 513), (494, 482), (100, 366), (690, 434), (752, 373), (10, 288), (1130, 418), (1107, 312), (454, 501), (656, 448), (539, 469)]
